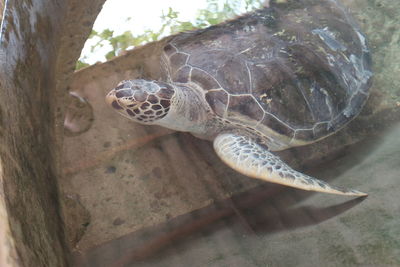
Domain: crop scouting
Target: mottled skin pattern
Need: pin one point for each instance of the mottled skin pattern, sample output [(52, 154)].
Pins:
[(145, 106), (279, 77), (241, 152)]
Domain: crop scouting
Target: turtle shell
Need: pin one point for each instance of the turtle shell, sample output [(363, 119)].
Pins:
[(300, 69)]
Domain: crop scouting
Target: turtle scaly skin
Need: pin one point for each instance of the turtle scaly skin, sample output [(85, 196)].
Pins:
[(279, 77)]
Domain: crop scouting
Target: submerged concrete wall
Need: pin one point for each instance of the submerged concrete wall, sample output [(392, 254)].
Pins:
[(130, 176), (136, 181), (40, 43)]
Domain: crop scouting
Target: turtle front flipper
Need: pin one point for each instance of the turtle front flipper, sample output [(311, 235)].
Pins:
[(249, 158)]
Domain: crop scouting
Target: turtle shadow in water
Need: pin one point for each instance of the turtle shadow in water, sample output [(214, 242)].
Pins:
[(261, 211)]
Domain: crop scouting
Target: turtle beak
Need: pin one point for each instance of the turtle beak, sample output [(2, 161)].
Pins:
[(110, 97), (111, 100)]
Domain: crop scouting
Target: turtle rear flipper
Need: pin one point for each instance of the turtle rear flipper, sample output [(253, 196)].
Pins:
[(249, 158)]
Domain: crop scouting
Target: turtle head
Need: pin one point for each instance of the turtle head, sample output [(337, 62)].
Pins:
[(141, 100)]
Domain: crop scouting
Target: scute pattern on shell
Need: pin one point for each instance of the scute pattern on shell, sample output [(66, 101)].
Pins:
[(301, 68)]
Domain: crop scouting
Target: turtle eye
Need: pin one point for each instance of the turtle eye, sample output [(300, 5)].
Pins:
[(115, 105), (122, 85), (166, 92), (124, 93)]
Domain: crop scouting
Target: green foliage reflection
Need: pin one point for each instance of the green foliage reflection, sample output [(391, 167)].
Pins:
[(216, 12)]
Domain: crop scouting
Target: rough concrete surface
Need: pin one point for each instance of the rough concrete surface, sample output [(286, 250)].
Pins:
[(40, 43)]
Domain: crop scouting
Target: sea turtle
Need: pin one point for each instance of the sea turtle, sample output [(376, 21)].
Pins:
[(282, 76)]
